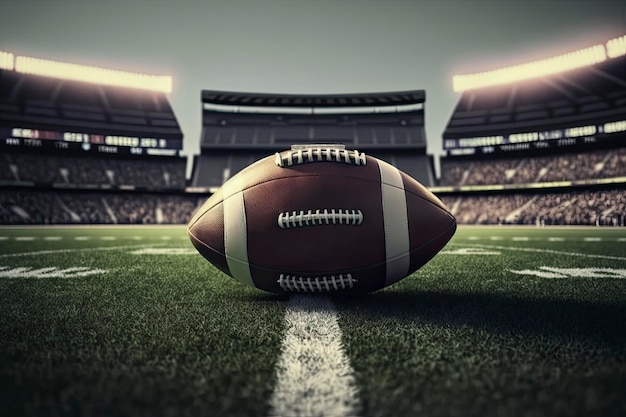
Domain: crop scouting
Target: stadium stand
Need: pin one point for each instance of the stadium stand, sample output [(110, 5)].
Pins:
[(589, 208), (103, 207), (81, 152), (562, 134), (239, 128)]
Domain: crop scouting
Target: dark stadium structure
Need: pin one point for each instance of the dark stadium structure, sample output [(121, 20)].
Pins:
[(239, 128), (545, 151), (77, 152)]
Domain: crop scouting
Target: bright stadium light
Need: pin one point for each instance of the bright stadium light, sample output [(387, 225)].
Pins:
[(578, 131), (614, 127), (48, 68), (6, 60), (557, 64), (616, 47)]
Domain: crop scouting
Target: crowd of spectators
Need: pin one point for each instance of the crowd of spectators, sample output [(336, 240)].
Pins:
[(595, 208), (161, 173), (599, 207), (54, 207), (604, 163)]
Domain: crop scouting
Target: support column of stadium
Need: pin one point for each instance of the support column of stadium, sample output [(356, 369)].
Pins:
[(314, 375)]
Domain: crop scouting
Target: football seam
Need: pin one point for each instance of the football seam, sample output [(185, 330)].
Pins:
[(452, 224), (317, 176)]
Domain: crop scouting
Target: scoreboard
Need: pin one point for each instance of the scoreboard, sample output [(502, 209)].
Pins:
[(520, 141), (20, 137)]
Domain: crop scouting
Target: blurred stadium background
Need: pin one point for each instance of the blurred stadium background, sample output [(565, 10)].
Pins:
[(540, 142)]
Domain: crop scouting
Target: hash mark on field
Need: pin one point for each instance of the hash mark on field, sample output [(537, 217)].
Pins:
[(520, 238), (592, 239), (314, 374), (469, 251), (496, 237), (473, 238), (164, 251), (82, 238), (621, 239), (4, 238), (24, 238), (53, 238), (166, 237), (556, 239), (137, 237), (108, 238)]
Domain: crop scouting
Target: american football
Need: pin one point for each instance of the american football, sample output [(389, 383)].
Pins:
[(320, 218)]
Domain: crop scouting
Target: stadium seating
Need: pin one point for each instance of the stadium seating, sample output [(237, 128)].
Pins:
[(64, 207), (239, 128), (582, 165), (591, 208), (64, 170), (550, 131)]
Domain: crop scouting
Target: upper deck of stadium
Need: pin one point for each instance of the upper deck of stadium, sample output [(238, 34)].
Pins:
[(306, 102)]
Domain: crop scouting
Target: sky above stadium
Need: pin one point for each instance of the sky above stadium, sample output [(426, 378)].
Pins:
[(305, 46)]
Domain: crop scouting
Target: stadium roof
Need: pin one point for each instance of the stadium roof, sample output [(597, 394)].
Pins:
[(313, 100)]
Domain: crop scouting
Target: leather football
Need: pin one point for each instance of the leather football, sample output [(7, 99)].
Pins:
[(320, 219)]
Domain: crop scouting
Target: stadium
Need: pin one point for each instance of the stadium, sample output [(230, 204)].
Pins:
[(108, 310)]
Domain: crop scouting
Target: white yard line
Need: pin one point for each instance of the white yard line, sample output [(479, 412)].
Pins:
[(536, 250), (314, 376), (48, 252), (49, 272)]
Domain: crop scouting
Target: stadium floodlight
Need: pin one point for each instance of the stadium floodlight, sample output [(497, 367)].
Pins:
[(6, 60), (554, 65), (614, 127), (575, 132), (103, 76), (616, 47)]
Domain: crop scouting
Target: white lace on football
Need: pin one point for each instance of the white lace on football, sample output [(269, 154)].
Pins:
[(316, 284), (317, 217), (319, 154)]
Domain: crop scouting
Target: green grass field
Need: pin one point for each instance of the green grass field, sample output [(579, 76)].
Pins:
[(130, 321)]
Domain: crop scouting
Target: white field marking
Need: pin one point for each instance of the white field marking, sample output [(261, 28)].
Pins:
[(108, 238), (556, 239), (164, 251), (473, 238), (4, 238), (549, 272), (49, 272), (314, 376), (137, 237), (166, 237), (556, 252), (53, 238), (82, 238), (592, 239), (24, 238), (496, 238), (469, 251), (520, 238), (621, 239), (49, 252)]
